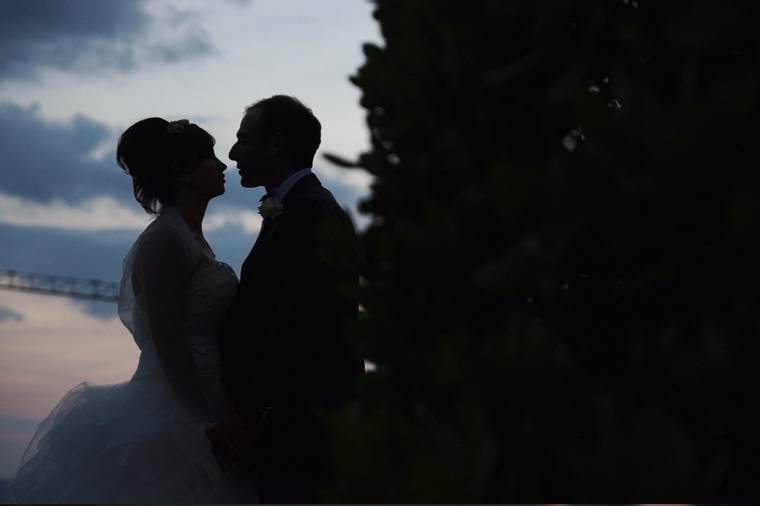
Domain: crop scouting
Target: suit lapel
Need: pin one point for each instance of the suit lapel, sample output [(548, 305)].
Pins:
[(268, 225)]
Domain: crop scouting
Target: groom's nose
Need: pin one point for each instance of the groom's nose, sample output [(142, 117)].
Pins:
[(233, 152)]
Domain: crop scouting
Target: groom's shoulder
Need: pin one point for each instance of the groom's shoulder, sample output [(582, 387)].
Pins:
[(315, 200), (315, 207)]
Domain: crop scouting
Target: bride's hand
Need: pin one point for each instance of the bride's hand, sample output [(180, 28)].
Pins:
[(229, 437)]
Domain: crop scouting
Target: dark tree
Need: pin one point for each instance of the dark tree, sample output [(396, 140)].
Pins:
[(563, 263)]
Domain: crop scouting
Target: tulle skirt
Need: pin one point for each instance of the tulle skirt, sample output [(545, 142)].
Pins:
[(125, 443)]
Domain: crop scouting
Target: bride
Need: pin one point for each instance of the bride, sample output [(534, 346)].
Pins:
[(145, 440)]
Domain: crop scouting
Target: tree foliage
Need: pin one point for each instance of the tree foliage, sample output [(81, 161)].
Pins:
[(562, 263)]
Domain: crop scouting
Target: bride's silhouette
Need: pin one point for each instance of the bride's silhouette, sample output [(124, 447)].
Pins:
[(145, 440)]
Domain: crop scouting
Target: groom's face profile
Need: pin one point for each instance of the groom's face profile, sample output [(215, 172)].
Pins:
[(251, 152)]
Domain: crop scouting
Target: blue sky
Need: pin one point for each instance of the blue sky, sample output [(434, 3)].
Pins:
[(73, 76)]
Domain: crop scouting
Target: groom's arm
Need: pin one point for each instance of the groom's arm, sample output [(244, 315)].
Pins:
[(243, 329)]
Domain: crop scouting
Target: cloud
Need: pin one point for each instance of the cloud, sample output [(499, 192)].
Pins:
[(46, 161), (99, 253), (15, 435), (105, 213), (63, 174), (57, 346), (78, 254), (67, 209), (92, 35), (7, 314), (65, 35), (97, 213), (194, 43)]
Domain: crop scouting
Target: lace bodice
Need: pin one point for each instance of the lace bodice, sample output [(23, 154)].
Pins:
[(212, 290), (200, 305)]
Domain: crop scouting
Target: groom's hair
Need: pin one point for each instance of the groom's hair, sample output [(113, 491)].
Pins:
[(295, 121)]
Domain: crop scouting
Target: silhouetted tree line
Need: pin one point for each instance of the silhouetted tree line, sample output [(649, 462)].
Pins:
[(562, 268)]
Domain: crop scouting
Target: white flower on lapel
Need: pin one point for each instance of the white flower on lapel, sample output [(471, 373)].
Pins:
[(271, 208)]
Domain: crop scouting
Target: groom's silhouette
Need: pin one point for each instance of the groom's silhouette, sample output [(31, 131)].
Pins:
[(284, 351)]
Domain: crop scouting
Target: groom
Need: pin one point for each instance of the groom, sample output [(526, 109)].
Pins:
[(286, 358)]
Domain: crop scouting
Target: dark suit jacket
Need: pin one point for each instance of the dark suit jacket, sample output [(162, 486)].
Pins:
[(284, 344)]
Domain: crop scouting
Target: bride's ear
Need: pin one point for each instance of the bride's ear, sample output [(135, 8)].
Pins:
[(183, 175)]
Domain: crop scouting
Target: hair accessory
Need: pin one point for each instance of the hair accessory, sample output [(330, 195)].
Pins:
[(176, 127)]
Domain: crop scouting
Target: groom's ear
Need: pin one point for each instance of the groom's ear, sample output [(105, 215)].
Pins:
[(276, 143)]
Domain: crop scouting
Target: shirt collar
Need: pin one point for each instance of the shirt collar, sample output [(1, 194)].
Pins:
[(281, 191)]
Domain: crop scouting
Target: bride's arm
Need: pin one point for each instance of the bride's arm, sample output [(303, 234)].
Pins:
[(160, 277)]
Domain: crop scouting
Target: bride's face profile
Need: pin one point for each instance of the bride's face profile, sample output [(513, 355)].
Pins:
[(207, 178), (170, 160)]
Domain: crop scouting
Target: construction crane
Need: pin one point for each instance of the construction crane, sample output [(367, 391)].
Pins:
[(91, 289)]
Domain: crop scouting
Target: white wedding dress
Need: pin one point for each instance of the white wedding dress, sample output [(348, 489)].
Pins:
[(134, 442)]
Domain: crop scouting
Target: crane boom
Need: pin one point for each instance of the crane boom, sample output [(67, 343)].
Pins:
[(92, 289)]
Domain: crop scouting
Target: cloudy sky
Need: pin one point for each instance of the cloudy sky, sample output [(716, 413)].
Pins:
[(73, 75)]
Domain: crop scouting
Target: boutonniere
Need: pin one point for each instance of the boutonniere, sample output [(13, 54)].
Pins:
[(271, 208)]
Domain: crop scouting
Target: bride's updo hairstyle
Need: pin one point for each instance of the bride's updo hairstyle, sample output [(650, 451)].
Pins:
[(156, 152)]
